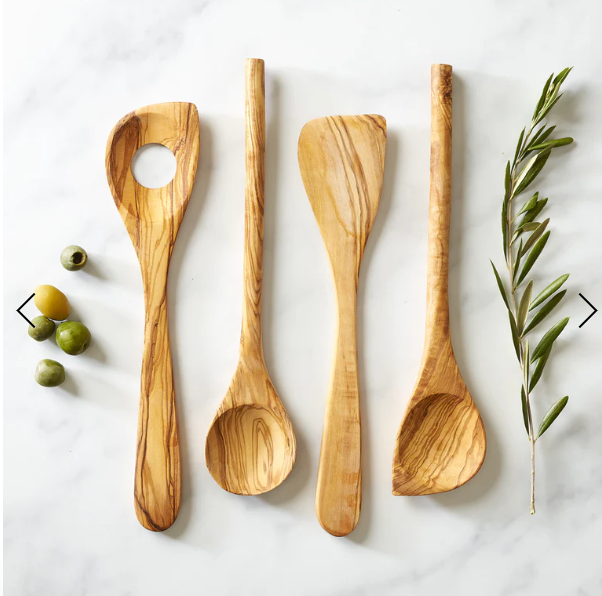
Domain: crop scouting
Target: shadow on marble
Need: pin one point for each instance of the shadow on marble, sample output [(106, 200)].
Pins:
[(362, 530), (489, 474), (187, 230), (70, 386), (300, 473), (93, 269), (96, 351)]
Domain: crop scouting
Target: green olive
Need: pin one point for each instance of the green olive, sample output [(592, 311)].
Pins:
[(74, 258), (73, 337), (49, 373), (43, 328)]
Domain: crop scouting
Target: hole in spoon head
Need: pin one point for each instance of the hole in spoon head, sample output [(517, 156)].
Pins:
[(250, 449), (153, 165)]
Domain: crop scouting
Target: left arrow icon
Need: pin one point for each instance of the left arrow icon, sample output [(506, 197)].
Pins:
[(22, 305)]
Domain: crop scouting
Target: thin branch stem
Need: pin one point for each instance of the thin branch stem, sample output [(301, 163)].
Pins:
[(513, 299)]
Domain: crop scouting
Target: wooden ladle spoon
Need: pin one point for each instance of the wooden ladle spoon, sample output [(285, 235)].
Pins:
[(152, 217), (251, 447), (441, 441), (342, 161)]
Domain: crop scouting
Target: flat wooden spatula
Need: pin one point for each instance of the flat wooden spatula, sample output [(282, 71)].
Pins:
[(342, 161), (441, 441)]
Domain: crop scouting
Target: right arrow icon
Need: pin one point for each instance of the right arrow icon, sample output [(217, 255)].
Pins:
[(595, 310)]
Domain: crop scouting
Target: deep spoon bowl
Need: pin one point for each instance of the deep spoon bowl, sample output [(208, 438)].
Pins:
[(441, 441)]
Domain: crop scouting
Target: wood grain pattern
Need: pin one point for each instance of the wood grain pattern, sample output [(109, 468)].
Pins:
[(441, 441), (342, 164), (251, 447), (152, 218)]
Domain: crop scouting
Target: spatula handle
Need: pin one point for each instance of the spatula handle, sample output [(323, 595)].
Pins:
[(251, 338), (339, 487), (437, 323), (157, 486)]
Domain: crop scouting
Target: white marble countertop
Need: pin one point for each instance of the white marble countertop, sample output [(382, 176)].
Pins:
[(72, 70)]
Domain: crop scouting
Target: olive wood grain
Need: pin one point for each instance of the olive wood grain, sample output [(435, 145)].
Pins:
[(152, 217), (250, 447), (342, 165), (441, 440)]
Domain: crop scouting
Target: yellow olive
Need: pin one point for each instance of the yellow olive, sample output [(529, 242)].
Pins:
[(52, 303)]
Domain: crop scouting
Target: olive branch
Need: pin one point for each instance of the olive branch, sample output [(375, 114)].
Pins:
[(524, 240)]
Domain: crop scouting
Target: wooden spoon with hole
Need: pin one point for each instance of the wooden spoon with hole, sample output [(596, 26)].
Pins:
[(251, 447), (342, 161), (441, 441), (152, 217)]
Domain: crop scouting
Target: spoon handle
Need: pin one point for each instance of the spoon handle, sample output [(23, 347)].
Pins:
[(250, 342), (437, 307), (157, 486), (339, 487)]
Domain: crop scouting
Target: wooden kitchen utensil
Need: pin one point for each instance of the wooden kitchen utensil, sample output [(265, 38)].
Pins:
[(441, 441), (342, 161), (251, 447), (152, 217)]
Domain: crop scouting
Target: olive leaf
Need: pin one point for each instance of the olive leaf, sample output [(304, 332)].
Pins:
[(532, 256), (552, 144), (515, 339), (548, 291), (541, 364), (505, 227), (531, 170), (534, 212), (529, 204), (517, 264), (523, 308), (549, 105), (530, 226), (543, 96), (500, 285), (562, 75), (526, 360), (540, 137), (535, 236), (523, 399), (544, 311), (549, 338), (507, 181), (507, 189), (519, 144), (551, 415)]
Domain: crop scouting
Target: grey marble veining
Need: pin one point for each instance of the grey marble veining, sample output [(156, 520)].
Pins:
[(72, 69)]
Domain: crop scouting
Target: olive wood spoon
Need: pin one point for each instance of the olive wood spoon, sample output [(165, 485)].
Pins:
[(441, 441), (342, 162), (250, 447), (152, 217)]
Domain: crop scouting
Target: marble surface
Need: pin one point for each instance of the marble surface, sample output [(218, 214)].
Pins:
[(72, 70)]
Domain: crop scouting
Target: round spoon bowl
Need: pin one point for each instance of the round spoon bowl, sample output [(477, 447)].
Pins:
[(250, 449)]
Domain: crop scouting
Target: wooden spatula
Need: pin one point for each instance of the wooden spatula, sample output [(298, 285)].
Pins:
[(342, 161), (441, 441), (251, 447), (152, 217)]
